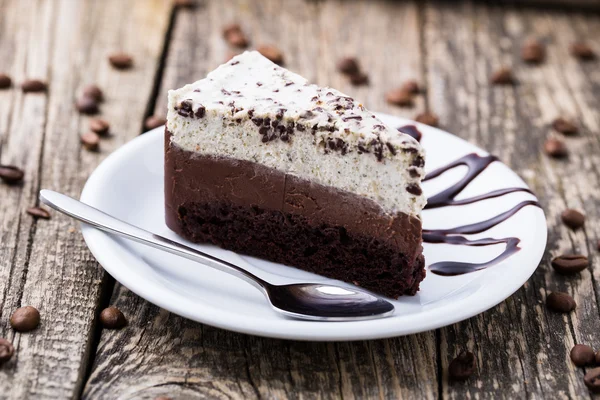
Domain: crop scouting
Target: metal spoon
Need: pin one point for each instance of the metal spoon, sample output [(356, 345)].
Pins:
[(310, 301)]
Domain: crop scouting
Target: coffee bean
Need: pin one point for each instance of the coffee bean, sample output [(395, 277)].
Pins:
[(11, 174), (564, 126), (462, 367), (556, 148), (235, 36), (154, 121), (5, 81), (272, 53), (560, 302), (428, 118), (25, 319), (99, 126), (348, 66), (91, 141), (572, 218), (229, 28), (359, 78), (582, 51), (34, 86), (533, 52), (184, 3), (503, 76), (400, 97), (38, 212), (112, 318), (238, 39), (582, 355), (411, 86), (87, 105), (6, 350), (570, 264), (597, 357), (121, 60), (94, 92), (592, 380)]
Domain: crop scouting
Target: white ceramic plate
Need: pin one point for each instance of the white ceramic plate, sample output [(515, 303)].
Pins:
[(129, 185)]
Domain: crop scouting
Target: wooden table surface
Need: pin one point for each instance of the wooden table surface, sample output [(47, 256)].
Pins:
[(452, 48)]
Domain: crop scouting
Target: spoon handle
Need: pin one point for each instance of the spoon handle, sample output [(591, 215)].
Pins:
[(99, 219)]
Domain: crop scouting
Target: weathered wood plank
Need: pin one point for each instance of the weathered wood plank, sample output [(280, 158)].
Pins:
[(163, 354), (465, 44), (46, 263)]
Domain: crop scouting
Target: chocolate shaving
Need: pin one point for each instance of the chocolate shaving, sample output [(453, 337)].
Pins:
[(391, 148), (201, 112)]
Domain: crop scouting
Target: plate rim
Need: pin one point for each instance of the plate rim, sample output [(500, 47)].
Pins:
[(96, 239)]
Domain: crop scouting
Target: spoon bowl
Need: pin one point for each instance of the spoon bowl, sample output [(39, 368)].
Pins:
[(326, 302)]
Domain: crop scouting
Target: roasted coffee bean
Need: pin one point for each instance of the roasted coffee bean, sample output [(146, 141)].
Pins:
[(597, 357), (462, 367), (533, 52), (184, 3), (582, 355), (238, 39), (87, 105), (582, 51), (34, 86), (38, 212), (235, 36), (592, 380), (359, 78), (272, 53), (154, 121), (428, 118), (570, 264), (503, 76), (348, 66), (560, 302), (556, 148), (5, 81), (230, 28), (25, 319), (11, 174), (411, 86), (99, 126), (400, 97), (112, 318), (94, 92), (6, 350), (121, 60), (90, 140), (564, 126), (572, 218)]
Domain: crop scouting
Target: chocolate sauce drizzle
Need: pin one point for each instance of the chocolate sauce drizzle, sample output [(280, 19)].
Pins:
[(476, 165)]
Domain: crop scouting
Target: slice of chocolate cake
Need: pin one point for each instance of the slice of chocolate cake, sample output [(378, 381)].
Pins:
[(263, 163)]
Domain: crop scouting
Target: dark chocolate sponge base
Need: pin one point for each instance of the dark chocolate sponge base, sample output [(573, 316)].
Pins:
[(289, 239)]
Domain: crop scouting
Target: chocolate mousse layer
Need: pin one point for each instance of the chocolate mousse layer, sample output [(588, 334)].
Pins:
[(256, 210)]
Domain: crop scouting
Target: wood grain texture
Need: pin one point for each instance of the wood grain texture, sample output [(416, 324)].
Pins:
[(46, 263), (451, 47), (529, 357), (163, 354)]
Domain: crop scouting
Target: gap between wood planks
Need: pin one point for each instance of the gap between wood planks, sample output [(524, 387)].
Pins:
[(108, 285)]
